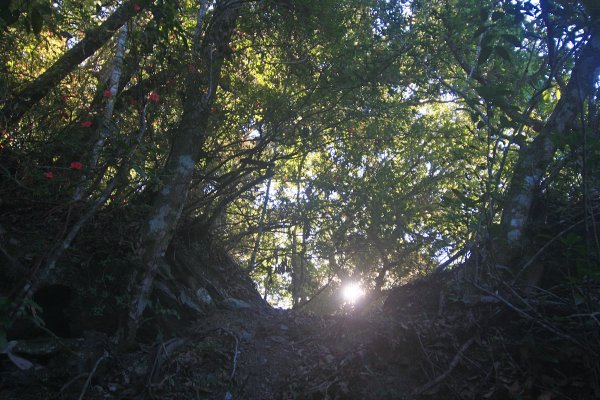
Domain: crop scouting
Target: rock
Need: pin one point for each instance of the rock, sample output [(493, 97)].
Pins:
[(246, 336), (279, 339), (231, 303), (204, 297)]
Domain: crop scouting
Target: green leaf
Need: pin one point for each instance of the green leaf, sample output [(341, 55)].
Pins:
[(492, 92), (512, 39), (487, 39), (27, 23), (503, 53), (484, 54), (480, 30), (496, 15), (463, 198), (483, 13), (519, 17), (37, 22)]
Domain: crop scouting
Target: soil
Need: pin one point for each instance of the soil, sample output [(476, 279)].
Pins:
[(459, 352), (220, 340)]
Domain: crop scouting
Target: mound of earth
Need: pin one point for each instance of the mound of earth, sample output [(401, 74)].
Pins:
[(220, 340), (482, 350)]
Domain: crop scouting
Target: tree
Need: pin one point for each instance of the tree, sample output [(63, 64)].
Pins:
[(535, 158), (35, 91), (322, 142), (202, 80)]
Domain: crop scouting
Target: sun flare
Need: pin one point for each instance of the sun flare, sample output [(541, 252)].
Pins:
[(352, 292)]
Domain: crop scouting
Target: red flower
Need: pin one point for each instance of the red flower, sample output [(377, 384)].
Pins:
[(213, 109), (49, 175), (107, 93), (137, 8), (76, 165), (64, 97), (86, 124), (154, 96)]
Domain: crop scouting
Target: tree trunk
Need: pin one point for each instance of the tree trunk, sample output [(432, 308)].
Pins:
[(104, 130), (298, 256), (115, 78), (22, 102), (188, 138), (295, 264), (261, 224), (534, 159)]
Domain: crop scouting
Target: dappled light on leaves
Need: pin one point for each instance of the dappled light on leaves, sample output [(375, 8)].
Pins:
[(175, 162)]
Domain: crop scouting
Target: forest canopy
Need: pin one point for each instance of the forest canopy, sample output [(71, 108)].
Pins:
[(320, 143)]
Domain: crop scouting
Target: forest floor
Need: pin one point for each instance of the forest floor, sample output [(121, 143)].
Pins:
[(231, 354), (419, 346)]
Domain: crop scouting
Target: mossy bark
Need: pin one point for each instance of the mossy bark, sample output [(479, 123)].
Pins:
[(535, 158), (188, 139)]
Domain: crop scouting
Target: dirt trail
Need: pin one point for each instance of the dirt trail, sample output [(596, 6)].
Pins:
[(276, 354), (257, 353), (231, 354)]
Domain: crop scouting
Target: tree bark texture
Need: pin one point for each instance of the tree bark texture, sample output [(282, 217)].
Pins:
[(115, 77), (261, 223), (535, 158), (104, 131), (23, 101), (188, 138)]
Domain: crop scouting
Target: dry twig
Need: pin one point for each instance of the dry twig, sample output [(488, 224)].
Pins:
[(429, 385), (89, 379)]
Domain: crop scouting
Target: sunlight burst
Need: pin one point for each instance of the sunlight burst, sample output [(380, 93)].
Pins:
[(352, 292)]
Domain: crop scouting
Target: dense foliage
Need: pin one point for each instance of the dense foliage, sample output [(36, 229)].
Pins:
[(338, 141)]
